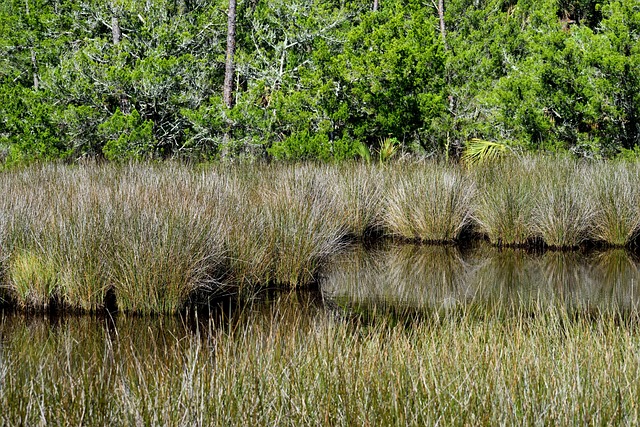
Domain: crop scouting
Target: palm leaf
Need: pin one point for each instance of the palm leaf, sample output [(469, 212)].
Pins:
[(479, 151), (363, 151)]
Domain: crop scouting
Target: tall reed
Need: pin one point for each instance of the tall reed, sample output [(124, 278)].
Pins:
[(430, 202), (78, 231), (304, 223), (167, 239), (359, 196), (284, 368)]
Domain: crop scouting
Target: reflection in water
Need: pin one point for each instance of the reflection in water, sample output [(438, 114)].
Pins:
[(439, 278), (106, 338)]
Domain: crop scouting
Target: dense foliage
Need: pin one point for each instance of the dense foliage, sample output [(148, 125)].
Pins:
[(323, 79)]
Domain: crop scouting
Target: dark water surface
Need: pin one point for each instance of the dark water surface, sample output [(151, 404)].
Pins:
[(410, 325), (428, 278), (397, 279)]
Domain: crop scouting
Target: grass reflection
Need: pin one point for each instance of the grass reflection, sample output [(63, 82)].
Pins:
[(437, 278)]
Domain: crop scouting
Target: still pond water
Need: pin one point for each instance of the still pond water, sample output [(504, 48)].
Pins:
[(395, 280)]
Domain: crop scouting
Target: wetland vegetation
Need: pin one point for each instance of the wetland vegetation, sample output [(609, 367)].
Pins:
[(483, 270), (303, 359), (154, 238)]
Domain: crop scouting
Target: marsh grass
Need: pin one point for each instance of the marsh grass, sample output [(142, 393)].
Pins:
[(359, 193), (77, 232), (283, 223), (165, 243), (157, 234), (282, 368), (563, 211), (429, 203), (303, 219), (616, 219), (505, 202), (33, 279)]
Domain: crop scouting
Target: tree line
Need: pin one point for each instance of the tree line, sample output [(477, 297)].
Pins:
[(315, 79)]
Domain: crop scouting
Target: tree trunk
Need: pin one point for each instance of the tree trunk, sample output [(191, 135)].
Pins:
[(231, 47), (375, 5), (34, 64), (116, 32), (443, 30)]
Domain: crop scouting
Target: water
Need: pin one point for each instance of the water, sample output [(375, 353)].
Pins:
[(398, 280), (412, 279), (437, 278), (218, 368)]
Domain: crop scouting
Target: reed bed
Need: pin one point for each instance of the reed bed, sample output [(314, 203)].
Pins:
[(505, 203), (281, 367), (617, 199), (429, 203), (156, 235)]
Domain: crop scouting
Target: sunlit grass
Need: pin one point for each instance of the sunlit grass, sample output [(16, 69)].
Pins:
[(158, 234), (430, 202), (505, 202), (563, 211), (284, 368), (359, 192), (617, 195)]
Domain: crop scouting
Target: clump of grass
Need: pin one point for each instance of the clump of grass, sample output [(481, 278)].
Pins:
[(248, 242), (430, 203), (150, 232), (616, 219), (303, 222), (165, 246), (33, 279), (505, 202), (82, 235), (563, 213), (358, 192)]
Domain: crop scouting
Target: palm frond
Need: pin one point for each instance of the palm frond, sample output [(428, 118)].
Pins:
[(363, 151), (479, 151)]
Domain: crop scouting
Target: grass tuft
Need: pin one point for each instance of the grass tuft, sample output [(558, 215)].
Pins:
[(616, 220), (563, 212), (505, 203), (430, 203)]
